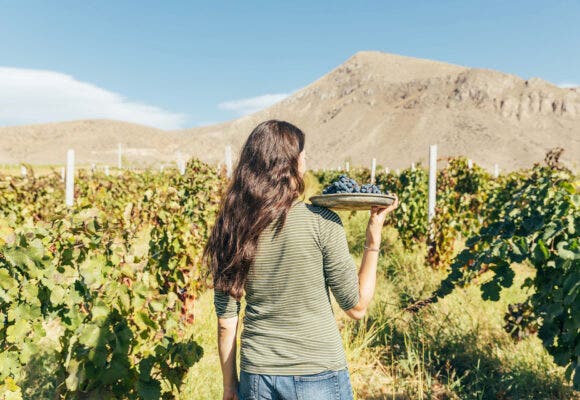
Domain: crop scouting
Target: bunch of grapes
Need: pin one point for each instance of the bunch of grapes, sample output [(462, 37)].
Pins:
[(344, 184), (370, 188)]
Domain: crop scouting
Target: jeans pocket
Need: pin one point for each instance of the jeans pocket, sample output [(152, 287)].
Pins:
[(322, 386), (345, 387), (248, 387)]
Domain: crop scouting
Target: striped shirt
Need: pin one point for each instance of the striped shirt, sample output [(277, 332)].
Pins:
[(289, 326)]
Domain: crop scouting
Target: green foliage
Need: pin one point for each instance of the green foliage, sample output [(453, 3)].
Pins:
[(106, 288), (99, 297), (462, 196), (9, 390), (525, 216), (539, 223), (410, 218)]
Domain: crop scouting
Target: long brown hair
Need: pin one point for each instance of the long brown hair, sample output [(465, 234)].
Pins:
[(264, 185)]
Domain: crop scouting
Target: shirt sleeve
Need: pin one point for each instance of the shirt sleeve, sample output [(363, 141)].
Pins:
[(226, 306), (339, 268)]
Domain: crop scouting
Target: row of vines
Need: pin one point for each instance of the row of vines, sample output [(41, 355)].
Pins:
[(530, 216), (96, 300)]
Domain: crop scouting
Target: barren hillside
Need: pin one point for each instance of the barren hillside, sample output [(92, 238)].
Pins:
[(373, 105)]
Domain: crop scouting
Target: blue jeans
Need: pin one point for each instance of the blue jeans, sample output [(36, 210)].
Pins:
[(327, 385)]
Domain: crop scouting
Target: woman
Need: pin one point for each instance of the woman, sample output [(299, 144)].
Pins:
[(285, 255)]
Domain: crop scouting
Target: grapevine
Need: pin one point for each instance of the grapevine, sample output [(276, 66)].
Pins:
[(539, 225), (104, 289)]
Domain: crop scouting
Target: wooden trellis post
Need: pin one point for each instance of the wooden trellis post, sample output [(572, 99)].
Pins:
[(432, 181), (432, 199), (180, 163)]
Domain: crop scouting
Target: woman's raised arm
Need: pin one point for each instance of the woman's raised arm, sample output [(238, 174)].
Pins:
[(367, 275)]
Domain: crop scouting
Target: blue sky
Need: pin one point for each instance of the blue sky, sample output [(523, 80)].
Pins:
[(183, 63)]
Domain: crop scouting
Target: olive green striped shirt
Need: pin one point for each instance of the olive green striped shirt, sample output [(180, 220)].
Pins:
[(289, 326)]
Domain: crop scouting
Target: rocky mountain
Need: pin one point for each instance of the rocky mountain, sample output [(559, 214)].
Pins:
[(375, 104)]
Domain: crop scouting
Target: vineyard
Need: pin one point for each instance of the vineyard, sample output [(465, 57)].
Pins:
[(531, 215), (98, 295), (97, 300)]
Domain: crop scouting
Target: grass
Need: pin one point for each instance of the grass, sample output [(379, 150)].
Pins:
[(204, 379)]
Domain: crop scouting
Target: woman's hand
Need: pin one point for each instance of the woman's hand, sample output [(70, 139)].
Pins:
[(231, 394), (379, 214), (376, 222), (367, 274)]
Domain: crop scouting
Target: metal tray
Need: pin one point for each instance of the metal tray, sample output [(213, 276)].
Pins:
[(352, 201)]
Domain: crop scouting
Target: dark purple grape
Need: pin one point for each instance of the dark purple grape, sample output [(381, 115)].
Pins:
[(344, 184)]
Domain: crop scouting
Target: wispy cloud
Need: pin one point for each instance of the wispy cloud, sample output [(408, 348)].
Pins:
[(252, 104), (35, 96), (568, 85)]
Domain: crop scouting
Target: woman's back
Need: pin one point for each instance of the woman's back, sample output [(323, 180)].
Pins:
[(289, 326), (291, 347)]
